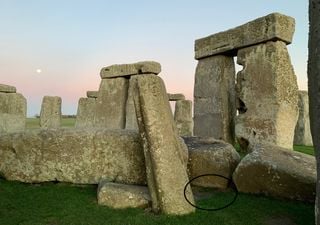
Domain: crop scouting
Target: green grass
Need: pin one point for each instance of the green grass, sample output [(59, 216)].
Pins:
[(33, 123), (59, 204)]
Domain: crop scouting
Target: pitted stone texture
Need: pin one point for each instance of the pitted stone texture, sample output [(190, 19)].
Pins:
[(267, 96), (86, 112), (176, 97), (13, 112), (92, 94), (214, 98), (7, 88), (183, 117), (83, 156), (211, 156), (111, 103), (272, 27), (277, 172), (166, 169), (50, 115), (120, 70), (302, 133), (131, 117), (121, 196)]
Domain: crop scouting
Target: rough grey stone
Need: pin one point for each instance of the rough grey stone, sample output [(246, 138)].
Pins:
[(86, 112), (267, 93), (120, 196), (214, 98), (131, 117), (166, 170), (272, 27), (176, 97), (83, 156), (183, 117), (92, 94), (277, 172), (119, 70), (50, 115), (7, 89)]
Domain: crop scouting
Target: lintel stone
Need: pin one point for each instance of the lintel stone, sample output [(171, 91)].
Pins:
[(176, 97), (7, 88), (92, 94)]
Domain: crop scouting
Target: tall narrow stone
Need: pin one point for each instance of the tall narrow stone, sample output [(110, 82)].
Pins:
[(131, 117), (50, 115), (214, 98), (165, 166), (183, 117), (267, 96), (111, 103), (86, 112), (302, 133)]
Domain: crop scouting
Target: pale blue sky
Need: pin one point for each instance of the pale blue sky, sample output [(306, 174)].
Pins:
[(71, 40)]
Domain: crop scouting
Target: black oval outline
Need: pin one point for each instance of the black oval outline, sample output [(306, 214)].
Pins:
[(216, 175)]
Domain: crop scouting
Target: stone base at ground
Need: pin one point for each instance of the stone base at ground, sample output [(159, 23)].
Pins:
[(83, 156), (120, 196), (277, 172)]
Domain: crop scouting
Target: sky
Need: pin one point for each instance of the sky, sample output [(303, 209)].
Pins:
[(58, 47)]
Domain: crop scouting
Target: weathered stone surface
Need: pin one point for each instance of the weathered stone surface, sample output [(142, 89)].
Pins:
[(176, 97), (120, 196), (13, 112), (50, 115), (7, 88), (267, 96), (131, 117), (278, 172), (302, 133), (86, 112), (183, 117), (272, 27), (111, 103), (119, 70), (83, 156), (211, 156), (166, 171), (92, 94), (214, 98)]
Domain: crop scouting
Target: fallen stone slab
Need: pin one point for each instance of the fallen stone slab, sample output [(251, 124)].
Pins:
[(7, 88), (277, 172), (121, 196), (92, 94), (81, 156), (164, 155), (120, 70), (211, 156), (176, 97), (50, 115), (272, 27)]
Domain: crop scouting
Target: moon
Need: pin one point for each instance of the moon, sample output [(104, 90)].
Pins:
[(39, 71)]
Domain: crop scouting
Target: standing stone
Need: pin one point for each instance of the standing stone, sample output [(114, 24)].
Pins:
[(183, 117), (131, 117), (111, 103), (214, 98), (50, 115), (302, 133), (7, 88), (267, 96), (86, 112), (165, 166), (13, 112)]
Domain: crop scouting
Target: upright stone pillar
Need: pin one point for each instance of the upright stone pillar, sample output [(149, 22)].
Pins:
[(267, 93), (183, 117), (131, 117), (86, 112), (50, 115), (214, 98)]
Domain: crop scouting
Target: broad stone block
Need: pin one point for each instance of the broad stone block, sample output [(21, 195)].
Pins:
[(214, 98), (86, 112), (183, 117), (302, 133), (166, 169), (267, 93), (272, 27), (277, 172), (111, 103), (210, 156), (13, 112), (119, 70), (92, 94), (83, 156), (131, 117), (176, 97), (121, 196), (50, 115), (7, 88)]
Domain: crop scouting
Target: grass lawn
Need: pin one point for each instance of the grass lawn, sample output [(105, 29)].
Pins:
[(58, 204), (33, 123)]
